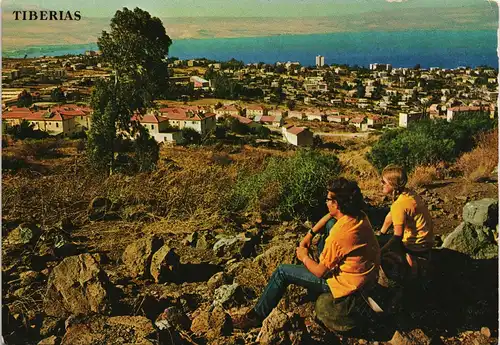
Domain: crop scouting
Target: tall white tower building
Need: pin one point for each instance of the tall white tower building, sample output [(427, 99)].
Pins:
[(320, 61)]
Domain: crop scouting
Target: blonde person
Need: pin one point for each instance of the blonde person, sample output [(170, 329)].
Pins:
[(348, 263), (411, 221)]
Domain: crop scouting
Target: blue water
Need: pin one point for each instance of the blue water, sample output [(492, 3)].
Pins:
[(446, 49)]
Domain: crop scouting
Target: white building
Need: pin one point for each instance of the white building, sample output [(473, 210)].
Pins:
[(380, 67), (407, 118), (320, 61), (297, 136)]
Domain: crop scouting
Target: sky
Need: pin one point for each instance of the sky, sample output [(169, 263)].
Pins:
[(238, 8)]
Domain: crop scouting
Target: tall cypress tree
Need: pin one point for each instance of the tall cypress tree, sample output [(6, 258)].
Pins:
[(136, 48)]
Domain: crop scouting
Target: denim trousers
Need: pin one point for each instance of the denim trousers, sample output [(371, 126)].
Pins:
[(286, 274)]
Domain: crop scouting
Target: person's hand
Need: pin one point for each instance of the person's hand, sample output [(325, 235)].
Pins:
[(306, 242), (302, 253)]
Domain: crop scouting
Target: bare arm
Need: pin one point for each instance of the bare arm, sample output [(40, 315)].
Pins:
[(306, 241), (315, 268), (387, 223)]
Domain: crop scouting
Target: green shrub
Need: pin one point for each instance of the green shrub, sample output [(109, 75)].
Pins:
[(190, 136), (25, 130), (428, 142), (261, 132), (39, 149), (286, 187)]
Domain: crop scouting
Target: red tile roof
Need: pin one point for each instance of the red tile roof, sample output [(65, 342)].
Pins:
[(268, 119), (242, 119), (465, 108), (255, 107), (38, 116), (15, 108), (296, 130), (148, 118), (229, 108), (184, 114), (358, 120)]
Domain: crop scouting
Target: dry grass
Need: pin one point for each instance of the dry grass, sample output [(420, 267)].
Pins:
[(425, 174), (357, 168), (188, 184), (478, 164)]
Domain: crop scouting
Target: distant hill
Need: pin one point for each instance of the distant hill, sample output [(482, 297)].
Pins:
[(19, 34)]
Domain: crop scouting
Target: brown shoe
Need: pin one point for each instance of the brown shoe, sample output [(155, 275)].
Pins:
[(248, 320)]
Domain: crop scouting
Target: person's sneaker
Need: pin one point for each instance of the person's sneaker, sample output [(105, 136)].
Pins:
[(248, 320)]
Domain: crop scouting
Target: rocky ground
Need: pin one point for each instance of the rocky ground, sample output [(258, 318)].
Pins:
[(124, 276)]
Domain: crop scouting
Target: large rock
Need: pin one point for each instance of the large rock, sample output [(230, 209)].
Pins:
[(76, 286), (280, 328), (212, 324), (274, 256), (482, 212), (274, 328), (228, 295), (229, 246), (173, 318), (111, 331), (478, 242), (164, 264), (52, 340), (52, 326), (218, 279), (414, 337), (137, 256), (24, 234), (142, 326)]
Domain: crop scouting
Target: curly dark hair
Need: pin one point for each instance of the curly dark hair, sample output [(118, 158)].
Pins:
[(348, 196)]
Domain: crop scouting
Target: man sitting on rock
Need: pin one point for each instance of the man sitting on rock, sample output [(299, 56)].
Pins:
[(348, 263)]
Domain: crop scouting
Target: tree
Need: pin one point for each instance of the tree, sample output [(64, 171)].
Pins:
[(57, 95), (191, 136), (237, 127), (146, 150), (360, 91), (25, 130), (24, 99), (262, 132), (220, 132), (136, 48)]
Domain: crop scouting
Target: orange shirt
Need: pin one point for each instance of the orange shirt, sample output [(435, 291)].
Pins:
[(352, 252), (410, 211)]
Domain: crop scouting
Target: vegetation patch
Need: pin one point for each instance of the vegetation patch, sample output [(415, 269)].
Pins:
[(479, 163), (286, 187), (428, 142)]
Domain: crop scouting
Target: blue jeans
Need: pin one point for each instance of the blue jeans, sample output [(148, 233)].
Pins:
[(285, 275)]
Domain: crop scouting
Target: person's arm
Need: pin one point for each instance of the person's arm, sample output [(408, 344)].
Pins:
[(387, 223), (315, 268), (306, 241), (396, 239)]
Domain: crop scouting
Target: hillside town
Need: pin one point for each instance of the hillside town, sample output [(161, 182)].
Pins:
[(294, 102)]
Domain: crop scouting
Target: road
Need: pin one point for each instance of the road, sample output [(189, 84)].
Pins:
[(343, 135)]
